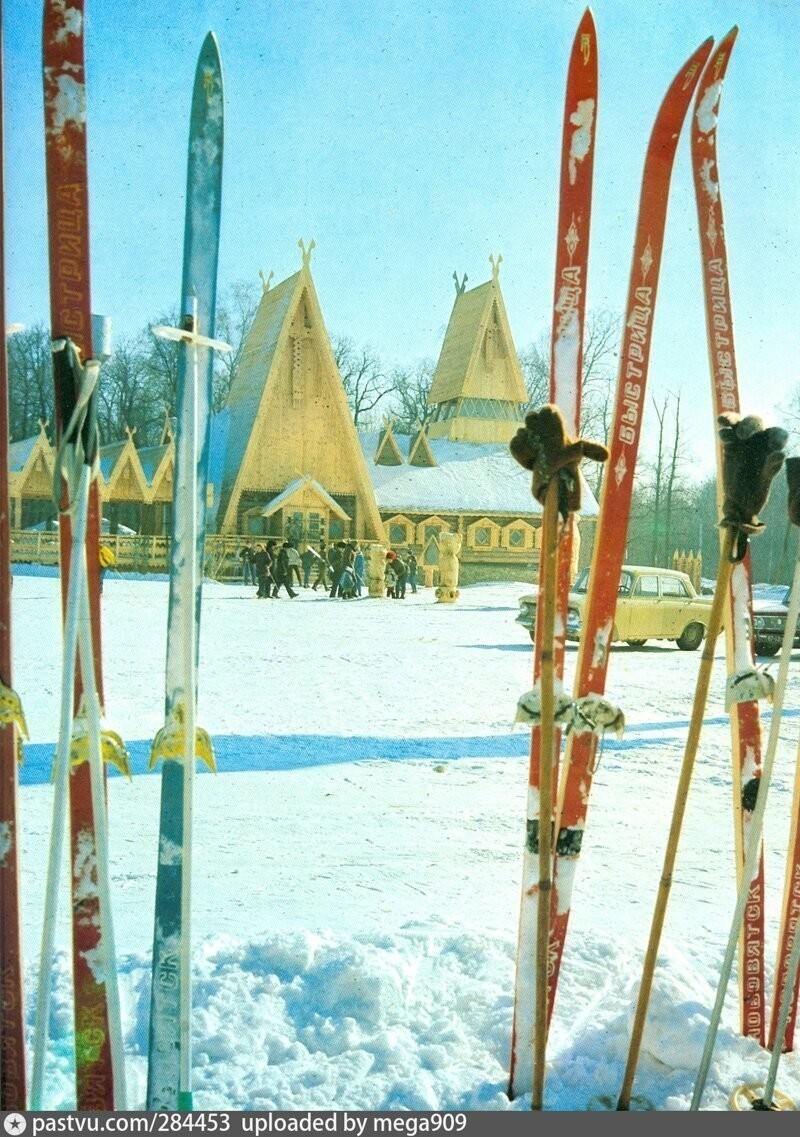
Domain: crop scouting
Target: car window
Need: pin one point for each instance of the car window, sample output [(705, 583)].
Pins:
[(624, 584), (646, 586), (673, 586)]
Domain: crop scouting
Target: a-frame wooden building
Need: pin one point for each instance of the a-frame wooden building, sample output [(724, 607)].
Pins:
[(285, 455), (477, 391)]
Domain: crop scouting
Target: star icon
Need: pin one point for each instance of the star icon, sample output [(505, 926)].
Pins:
[(14, 1123)]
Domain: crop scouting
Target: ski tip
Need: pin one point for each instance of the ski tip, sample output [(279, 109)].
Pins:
[(210, 45)]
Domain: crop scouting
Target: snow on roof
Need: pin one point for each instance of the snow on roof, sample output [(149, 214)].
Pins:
[(469, 477), (282, 498), (19, 453)]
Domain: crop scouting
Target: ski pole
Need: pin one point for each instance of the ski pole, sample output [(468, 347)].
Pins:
[(553, 457), (751, 457), (690, 753), (107, 952), (548, 758), (783, 1018), (60, 794), (755, 827)]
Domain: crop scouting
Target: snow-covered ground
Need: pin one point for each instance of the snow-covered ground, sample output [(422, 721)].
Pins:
[(359, 853)]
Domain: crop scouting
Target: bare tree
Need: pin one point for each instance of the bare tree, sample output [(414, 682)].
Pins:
[(410, 387), (534, 362), (235, 313), (127, 396), (364, 380), (663, 505), (30, 381), (601, 342)]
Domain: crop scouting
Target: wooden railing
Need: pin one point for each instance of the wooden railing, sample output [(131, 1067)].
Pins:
[(133, 552)]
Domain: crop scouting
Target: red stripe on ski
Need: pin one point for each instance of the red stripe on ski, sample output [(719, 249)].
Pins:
[(569, 306), (617, 490), (70, 315), (12, 1009), (745, 722)]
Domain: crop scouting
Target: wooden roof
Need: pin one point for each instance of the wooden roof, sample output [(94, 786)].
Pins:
[(478, 357), (287, 414)]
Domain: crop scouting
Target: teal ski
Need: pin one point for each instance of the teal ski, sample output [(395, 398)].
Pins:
[(180, 742)]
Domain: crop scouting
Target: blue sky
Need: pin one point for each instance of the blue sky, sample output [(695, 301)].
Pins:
[(411, 140)]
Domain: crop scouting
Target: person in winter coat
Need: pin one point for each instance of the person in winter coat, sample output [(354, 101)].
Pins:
[(336, 563), (308, 559), (358, 569), (411, 563), (295, 564), (262, 562), (283, 576), (401, 573), (389, 577), (322, 569), (247, 557)]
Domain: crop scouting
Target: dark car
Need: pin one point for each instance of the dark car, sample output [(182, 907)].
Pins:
[(769, 623)]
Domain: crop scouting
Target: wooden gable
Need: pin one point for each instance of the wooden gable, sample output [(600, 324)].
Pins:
[(477, 389), (387, 452), (34, 478), (288, 411), (125, 480), (420, 453)]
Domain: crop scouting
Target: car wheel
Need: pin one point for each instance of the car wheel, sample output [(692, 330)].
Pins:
[(766, 647), (635, 643), (692, 637)]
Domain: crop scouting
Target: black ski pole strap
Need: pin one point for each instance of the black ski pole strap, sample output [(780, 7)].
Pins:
[(76, 384)]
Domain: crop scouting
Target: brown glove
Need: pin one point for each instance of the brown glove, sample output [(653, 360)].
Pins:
[(751, 457), (543, 447)]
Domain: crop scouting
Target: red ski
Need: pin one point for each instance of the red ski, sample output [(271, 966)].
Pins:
[(744, 719), (790, 921), (617, 490), (569, 306), (70, 315), (12, 1016)]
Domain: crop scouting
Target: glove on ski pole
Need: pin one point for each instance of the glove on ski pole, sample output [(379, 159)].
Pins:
[(544, 447), (751, 457)]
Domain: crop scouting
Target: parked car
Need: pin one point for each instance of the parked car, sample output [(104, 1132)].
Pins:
[(769, 623), (652, 604)]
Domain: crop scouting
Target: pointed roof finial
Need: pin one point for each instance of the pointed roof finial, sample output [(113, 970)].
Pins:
[(130, 431), (265, 281), (306, 251), (495, 263), (460, 287)]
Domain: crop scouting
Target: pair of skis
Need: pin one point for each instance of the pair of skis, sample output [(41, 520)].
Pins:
[(569, 819), (570, 816), (751, 779), (99, 1057)]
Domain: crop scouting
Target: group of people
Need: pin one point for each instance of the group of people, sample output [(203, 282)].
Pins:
[(271, 566), (337, 568), (400, 573)]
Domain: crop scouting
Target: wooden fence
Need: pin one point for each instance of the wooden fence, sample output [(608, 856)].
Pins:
[(133, 552)]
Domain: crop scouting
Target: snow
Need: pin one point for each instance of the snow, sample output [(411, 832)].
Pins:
[(359, 855)]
